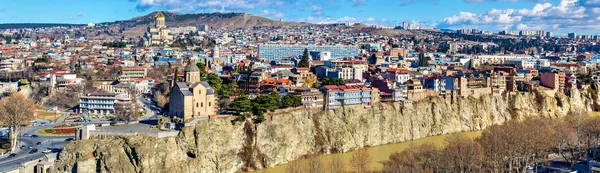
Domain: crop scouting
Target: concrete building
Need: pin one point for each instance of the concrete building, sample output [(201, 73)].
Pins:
[(192, 98), (435, 83), (572, 35), (339, 96), (98, 103), (203, 28), (398, 51), (346, 73), (132, 73), (528, 63), (276, 52), (11, 65), (553, 80)]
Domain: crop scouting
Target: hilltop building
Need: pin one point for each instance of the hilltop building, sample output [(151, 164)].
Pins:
[(159, 33), (192, 98)]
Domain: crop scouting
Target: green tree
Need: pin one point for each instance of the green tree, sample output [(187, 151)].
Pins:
[(202, 69), (373, 59), (215, 82), (291, 100), (241, 104), (333, 81), (305, 62), (226, 90), (400, 57), (43, 59), (264, 103), (470, 64), (423, 61), (8, 40)]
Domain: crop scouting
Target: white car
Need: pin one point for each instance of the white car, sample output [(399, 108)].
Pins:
[(47, 151)]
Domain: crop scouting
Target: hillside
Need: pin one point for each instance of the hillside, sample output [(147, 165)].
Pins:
[(215, 20), (34, 25)]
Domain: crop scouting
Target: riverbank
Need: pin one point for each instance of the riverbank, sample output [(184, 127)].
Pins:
[(381, 153)]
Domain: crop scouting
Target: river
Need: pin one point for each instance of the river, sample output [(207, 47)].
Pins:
[(381, 153)]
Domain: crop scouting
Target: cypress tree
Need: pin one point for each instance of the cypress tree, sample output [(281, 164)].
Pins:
[(305, 61)]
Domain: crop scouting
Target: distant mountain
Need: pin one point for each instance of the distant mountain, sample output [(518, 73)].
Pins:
[(34, 25), (219, 20)]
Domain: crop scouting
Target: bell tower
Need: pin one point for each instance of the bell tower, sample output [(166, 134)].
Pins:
[(159, 22)]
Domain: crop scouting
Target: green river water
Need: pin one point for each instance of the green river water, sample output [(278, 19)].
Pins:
[(380, 153)]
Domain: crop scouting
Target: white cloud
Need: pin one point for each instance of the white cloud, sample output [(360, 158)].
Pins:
[(328, 20), (545, 16)]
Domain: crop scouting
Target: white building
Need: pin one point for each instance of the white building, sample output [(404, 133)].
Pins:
[(529, 63), (11, 65), (496, 59)]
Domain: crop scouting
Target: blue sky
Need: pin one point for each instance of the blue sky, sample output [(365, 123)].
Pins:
[(560, 16)]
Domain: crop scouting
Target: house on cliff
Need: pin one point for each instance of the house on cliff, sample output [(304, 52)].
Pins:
[(192, 98)]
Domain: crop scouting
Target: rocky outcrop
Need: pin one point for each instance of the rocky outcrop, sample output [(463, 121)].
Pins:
[(222, 146)]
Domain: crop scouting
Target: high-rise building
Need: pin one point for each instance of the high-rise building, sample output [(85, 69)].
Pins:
[(404, 25), (277, 52), (541, 33), (549, 34), (572, 35)]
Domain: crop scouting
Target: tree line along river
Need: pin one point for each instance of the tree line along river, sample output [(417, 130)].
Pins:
[(380, 153)]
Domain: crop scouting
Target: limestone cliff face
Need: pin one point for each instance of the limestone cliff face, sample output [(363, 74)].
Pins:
[(220, 146)]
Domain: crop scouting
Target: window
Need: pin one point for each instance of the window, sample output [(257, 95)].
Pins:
[(208, 104), (196, 104), (199, 91), (202, 104)]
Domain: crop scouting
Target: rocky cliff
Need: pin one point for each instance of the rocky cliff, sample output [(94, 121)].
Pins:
[(222, 146)]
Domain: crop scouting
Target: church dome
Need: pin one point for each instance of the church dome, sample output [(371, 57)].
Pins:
[(191, 67)]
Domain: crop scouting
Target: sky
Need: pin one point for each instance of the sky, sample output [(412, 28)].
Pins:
[(559, 16)]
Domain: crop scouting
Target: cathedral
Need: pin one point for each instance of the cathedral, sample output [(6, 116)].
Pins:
[(192, 98), (158, 34)]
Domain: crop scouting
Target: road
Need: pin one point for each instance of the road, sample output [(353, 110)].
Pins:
[(54, 142), (151, 109), (58, 142)]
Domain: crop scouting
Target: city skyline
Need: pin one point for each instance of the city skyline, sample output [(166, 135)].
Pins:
[(559, 16)]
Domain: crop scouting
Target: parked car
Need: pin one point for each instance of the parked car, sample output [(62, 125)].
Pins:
[(38, 143), (47, 151), (69, 139), (33, 151), (12, 155), (30, 146), (27, 135), (34, 136), (23, 146)]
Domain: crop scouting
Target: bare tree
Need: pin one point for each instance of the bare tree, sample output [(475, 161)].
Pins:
[(423, 158), (337, 165), (513, 146), (128, 111), (462, 155), (15, 110), (297, 166), (567, 142), (315, 165), (361, 160), (66, 98)]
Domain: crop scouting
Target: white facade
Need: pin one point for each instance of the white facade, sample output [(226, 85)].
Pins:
[(529, 63), (497, 59)]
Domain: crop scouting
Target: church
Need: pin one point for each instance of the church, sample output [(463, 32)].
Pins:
[(159, 34), (192, 98)]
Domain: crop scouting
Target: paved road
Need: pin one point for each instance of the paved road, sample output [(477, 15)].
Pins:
[(151, 109), (57, 143), (54, 142)]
